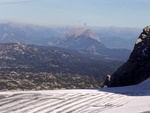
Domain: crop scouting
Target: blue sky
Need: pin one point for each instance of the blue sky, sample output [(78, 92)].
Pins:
[(120, 13)]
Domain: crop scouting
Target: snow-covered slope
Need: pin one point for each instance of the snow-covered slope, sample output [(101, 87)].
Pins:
[(131, 99)]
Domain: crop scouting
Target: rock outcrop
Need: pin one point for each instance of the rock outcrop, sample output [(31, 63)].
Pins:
[(137, 68)]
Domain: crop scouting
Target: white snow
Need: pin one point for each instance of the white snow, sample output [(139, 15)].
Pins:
[(138, 41), (131, 99)]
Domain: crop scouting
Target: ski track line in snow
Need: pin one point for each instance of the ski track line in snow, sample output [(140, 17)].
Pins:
[(61, 102), (102, 104), (32, 100), (72, 104), (85, 103), (55, 103), (53, 107)]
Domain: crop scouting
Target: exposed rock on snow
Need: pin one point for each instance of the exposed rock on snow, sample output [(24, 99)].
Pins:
[(107, 81)]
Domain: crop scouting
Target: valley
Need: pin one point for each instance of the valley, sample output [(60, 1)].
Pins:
[(28, 67)]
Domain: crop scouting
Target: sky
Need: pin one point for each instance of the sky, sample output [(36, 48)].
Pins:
[(120, 13)]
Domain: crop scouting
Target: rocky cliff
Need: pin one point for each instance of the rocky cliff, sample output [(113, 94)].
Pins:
[(137, 68)]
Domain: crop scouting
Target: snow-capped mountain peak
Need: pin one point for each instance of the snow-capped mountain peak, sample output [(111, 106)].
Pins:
[(76, 32), (80, 39)]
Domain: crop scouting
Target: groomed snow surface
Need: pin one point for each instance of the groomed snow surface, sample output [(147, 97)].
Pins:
[(131, 99)]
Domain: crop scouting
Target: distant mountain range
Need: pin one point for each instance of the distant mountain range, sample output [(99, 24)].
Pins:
[(81, 39), (112, 37), (29, 34)]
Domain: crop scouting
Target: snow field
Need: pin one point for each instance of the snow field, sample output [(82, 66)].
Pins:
[(131, 99)]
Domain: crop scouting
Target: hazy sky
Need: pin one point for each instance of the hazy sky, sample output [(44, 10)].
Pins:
[(121, 13)]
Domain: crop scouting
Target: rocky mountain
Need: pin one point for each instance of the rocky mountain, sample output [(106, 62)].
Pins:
[(38, 67), (85, 41), (80, 39), (137, 68)]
